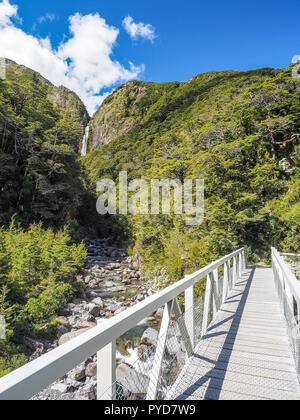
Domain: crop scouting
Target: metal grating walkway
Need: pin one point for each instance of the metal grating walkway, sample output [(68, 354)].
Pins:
[(245, 354)]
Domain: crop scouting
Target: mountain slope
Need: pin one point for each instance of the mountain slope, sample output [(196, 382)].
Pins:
[(239, 131)]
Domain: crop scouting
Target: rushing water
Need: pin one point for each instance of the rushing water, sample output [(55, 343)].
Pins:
[(85, 141)]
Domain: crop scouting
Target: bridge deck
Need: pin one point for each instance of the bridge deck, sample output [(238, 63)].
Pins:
[(245, 353)]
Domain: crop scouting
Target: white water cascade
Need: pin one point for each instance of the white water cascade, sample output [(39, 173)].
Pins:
[(85, 141)]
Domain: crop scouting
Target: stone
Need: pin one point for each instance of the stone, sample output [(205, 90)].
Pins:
[(93, 284), (93, 309), (87, 392), (61, 330), (91, 370), (151, 319), (143, 352), (119, 289), (150, 337), (88, 279), (159, 313), (131, 381), (63, 388), (140, 297), (85, 324), (62, 320), (112, 308), (120, 310), (69, 336), (78, 373), (127, 282), (99, 302), (109, 284)]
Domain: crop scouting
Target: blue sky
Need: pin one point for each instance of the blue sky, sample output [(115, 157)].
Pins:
[(185, 37)]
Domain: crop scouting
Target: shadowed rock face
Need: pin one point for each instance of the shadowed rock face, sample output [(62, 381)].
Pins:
[(124, 109), (118, 114)]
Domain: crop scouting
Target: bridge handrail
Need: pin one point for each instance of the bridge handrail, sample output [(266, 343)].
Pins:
[(288, 288), (35, 376), (289, 278)]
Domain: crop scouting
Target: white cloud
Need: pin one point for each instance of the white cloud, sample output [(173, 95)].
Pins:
[(6, 12), (83, 62), (139, 30), (48, 16)]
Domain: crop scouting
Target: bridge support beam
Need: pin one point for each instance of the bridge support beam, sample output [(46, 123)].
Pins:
[(206, 304), (106, 372), (234, 271), (216, 303), (189, 313)]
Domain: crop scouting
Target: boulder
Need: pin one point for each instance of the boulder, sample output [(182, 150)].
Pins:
[(99, 302), (91, 370), (62, 320), (93, 309), (120, 310), (79, 373), (61, 330), (112, 308), (119, 289), (85, 324), (131, 382), (69, 336), (150, 337), (159, 313), (62, 388), (87, 392), (143, 352)]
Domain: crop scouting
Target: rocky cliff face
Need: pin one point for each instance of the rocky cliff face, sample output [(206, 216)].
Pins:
[(124, 110)]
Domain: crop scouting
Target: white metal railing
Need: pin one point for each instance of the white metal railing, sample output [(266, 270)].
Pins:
[(35, 376), (288, 288)]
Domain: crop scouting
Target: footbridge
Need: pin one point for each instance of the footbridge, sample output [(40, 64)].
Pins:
[(239, 340)]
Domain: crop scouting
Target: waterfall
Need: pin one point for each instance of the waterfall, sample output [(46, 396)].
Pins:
[(85, 141)]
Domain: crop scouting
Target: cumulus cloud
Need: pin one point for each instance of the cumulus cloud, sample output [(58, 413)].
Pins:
[(83, 62), (6, 12), (139, 30)]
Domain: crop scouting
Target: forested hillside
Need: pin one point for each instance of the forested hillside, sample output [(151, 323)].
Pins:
[(41, 127), (44, 195), (239, 131)]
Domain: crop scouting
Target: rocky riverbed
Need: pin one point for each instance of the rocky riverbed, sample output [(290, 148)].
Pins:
[(113, 283)]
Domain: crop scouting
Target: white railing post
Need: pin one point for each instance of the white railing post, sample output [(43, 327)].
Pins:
[(244, 260), (206, 305), (240, 265), (189, 313), (215, 277), (106, 372), (225, 281), (159, 354), (234, 272)]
